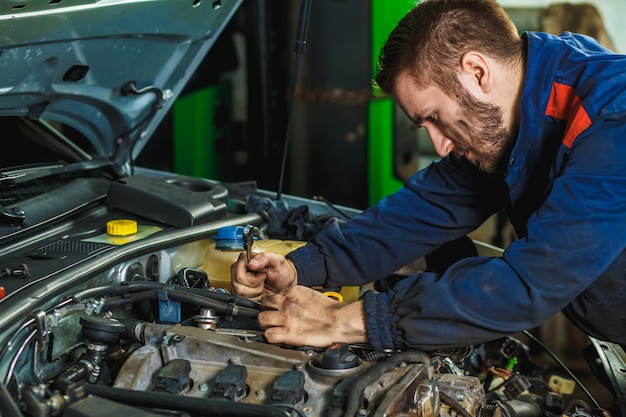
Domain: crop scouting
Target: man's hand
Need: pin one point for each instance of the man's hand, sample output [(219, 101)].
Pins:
[(266, 273), (305, 317)]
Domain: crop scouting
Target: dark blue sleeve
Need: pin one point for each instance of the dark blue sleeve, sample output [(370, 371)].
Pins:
[(439, 204), (573, 239)]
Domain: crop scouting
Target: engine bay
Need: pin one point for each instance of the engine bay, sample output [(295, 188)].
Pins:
[(150, 327), (152, 349)]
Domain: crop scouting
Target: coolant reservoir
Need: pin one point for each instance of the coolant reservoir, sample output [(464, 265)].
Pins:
[(226, 246)]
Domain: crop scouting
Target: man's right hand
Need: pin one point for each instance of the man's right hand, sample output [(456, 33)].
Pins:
[(266, 273)]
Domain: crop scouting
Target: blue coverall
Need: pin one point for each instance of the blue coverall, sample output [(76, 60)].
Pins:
[(564, 192)]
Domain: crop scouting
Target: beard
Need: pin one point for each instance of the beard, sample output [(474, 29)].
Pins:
[(489, 142)]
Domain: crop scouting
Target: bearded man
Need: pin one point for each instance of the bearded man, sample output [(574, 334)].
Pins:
[(534, 124)]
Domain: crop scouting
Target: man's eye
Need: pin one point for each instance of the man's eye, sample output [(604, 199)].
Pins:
[(431, 118)]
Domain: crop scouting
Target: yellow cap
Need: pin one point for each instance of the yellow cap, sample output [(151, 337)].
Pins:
[(334, 295), (121, 227)]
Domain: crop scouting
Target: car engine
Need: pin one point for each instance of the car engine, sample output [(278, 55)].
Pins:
[(103, 324), (186, 348)]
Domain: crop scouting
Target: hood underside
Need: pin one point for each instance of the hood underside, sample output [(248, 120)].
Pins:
[(110, 69)]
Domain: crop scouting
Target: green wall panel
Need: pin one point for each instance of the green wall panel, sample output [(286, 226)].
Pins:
[(381, 182)]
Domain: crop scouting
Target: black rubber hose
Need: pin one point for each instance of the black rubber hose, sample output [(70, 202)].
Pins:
[(139, 286), (220, 306), (176, 295), (215, 407), (355, 395), (445, 398), (229, 298), (123, 288)]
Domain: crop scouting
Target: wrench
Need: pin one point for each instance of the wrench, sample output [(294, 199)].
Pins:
[(248, 240)]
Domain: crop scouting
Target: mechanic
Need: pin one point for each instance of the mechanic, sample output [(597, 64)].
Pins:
[(533, 124)]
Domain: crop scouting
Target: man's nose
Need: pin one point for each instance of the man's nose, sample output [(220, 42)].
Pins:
[(443, 145)]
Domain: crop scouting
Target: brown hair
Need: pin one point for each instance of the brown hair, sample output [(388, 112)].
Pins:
[(430, 40)]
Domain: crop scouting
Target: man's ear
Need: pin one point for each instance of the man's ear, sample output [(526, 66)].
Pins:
[(476, 73)]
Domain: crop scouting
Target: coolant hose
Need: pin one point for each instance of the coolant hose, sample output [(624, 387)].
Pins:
[(227, 298), (355, 395), (123, 288), (137, 286), (215, 407), (190, 298), (142, 291)]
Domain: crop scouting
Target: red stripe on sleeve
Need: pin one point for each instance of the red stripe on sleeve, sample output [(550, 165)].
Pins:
[(564, 104)]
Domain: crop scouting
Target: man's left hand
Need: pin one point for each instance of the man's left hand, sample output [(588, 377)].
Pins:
[(305, 317)]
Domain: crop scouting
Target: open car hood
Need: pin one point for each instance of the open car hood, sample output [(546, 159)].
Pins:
[(110, 69)]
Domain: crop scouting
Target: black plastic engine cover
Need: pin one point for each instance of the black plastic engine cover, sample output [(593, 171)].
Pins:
[(178, 201)]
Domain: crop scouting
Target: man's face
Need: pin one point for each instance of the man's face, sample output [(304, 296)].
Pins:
[(467, 126)]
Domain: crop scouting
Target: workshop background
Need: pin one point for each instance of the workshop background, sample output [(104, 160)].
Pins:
[(343, 144)]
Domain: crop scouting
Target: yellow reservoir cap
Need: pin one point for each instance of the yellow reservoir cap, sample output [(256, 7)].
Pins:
[(334, 295), (122, 227)]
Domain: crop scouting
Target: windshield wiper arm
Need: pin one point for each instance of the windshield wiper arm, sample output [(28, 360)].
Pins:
[(9, 179)]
